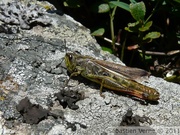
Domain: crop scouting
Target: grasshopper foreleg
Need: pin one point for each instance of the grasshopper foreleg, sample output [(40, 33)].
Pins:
[(73, 74)]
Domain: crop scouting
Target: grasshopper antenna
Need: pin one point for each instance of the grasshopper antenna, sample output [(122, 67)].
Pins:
[(66, 82), (65, 45), (65, 52)]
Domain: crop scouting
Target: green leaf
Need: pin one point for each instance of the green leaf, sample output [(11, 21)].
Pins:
[(107, 49), (112, 5), (177, 1), (138, 10), (173, 78), (128, 29), (100, 7), (152, 35), (73, 3), (122, 5), (146, 26), (133, 24), (133, 27), (147, 57), (103, 8), (98, 32), (133, 1)]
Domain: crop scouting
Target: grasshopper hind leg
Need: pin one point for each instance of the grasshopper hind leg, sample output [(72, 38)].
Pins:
[(101, 89)]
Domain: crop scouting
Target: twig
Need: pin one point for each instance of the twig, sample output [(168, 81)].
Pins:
[(161, 53), (110, 41), (148, 52)]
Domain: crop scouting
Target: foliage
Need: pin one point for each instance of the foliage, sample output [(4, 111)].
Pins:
[(138, 12), (138, 26)]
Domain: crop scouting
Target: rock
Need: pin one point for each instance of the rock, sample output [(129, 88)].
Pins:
[(34, 60), (22, 16)]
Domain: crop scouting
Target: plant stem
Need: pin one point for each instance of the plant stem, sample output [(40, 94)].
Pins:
[(112, 28), (123, 48), (154, 9), (140, 38)]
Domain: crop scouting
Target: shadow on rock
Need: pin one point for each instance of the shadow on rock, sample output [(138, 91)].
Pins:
[(69, 98), (131, 124), (32, 113)]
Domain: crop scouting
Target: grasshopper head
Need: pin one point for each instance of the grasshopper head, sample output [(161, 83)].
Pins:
[(70, 61), (156, 96), (153, 96)]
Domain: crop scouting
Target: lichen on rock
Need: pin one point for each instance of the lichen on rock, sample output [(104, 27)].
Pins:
[(18, 15)]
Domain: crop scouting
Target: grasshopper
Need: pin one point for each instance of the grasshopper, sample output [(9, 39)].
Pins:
[(110, 75)]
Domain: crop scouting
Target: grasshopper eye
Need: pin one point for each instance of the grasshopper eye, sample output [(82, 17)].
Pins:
[(70, 57)]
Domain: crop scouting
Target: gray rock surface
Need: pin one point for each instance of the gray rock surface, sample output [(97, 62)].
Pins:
[(17, 15), (32, 65)]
